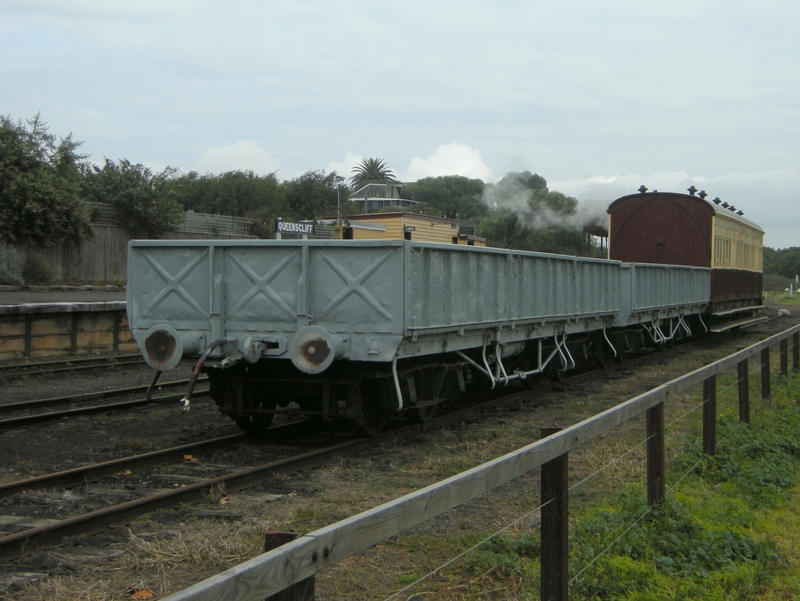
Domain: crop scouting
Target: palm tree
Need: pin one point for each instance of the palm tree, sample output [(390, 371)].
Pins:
[(371, 170)]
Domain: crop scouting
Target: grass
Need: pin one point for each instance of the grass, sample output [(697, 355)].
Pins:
[(729, 529), (715, 537)]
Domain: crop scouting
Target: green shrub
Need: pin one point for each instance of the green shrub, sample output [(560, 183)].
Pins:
[(36, 271)]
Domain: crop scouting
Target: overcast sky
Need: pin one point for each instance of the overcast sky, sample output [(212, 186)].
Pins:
[(597, 97)]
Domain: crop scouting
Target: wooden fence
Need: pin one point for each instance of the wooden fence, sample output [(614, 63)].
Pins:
[(104, 259), (274, 571)]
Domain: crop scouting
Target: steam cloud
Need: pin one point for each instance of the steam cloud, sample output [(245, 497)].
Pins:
[(587, 212)]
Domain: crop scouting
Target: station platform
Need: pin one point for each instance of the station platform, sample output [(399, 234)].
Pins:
[(12, 295), (37, 323)]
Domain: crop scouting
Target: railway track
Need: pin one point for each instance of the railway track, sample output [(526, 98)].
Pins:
[(22, 370), (51, 531), (23, 406), (25, 420), (87, 396)]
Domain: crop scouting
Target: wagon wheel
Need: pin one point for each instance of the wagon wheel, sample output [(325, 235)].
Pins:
[(602, 354), (257, 424), (376, 406), (224, 393), (421, 415)]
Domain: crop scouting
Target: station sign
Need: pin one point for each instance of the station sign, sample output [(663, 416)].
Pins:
[(300, 228), (409, 228)]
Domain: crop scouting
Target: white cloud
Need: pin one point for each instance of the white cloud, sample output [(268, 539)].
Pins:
[(344, 167), (244, 155), (448, 159), (155, 81)]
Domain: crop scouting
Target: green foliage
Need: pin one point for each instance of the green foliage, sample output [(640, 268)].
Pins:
[(142, 198), (776, 283), (700, 543), (525, 215), (40, 186), (514, 189), (12, 260), (235, 193), (36, 271), (507, 557), (262, 198), (760, 464), (673, 545), (505, 229), (784, 262), (370, 170), (313, 194), (455, 196)]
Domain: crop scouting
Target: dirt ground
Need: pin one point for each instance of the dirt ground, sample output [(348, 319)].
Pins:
[(170, 550)]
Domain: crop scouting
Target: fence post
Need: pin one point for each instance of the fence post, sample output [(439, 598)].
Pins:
[(300, 591), (28, 335), (796, 351), (74, 333), (117, 328), (710, 415), (765, 391), (656, 463), (744, 392), (784, 349), (555, 526)]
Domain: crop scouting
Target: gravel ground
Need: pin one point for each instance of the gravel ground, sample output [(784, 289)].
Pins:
[(172, 549), (71, 442)]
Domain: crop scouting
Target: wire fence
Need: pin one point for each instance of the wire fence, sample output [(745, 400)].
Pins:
[(364, 530)]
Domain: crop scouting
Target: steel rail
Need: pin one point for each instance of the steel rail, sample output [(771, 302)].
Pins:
[(86, 396), (92, 473), (21, 370), (95, 521), (12, 422), (27, 540)]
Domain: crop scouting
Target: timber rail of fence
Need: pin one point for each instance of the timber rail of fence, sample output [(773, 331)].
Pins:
[(296, 561)]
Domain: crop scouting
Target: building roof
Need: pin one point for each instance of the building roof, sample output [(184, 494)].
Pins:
[(400, 214), (717, 209)]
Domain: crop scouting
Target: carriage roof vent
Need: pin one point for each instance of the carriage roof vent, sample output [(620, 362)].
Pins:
[(642, 189), (691, 190)]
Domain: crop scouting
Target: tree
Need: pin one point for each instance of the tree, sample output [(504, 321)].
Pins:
[(40, 186), (370, 170), (314, 194), (141, 196), (787, 262), (455, 196), (235, 193), (526, 215)]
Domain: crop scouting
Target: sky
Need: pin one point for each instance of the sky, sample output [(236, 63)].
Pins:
[(596, 97)]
